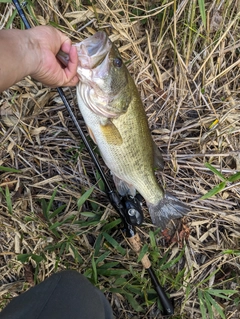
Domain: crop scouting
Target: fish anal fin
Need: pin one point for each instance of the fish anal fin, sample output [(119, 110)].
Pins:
[(111, 134), (122, 187)]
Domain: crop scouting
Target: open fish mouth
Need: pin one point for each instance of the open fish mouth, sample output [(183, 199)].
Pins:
[(93, 71), (93, 50)]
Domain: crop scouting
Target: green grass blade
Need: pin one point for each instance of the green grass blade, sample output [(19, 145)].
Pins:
[(201, 4), (23, 258), (44, 208), (142, 252), (9, 169), (114, 243), (216, 306), (100, 182), (152, 239), (84, 197), (38, 258), (179, 278), (49, 206), (232, 252), (76, 255), (120, 281), (10, 20), (209, 306), (112, 272), (94, 271), (137, 289), (57, 211), (9, 200), (214, 191), (202, 305), (98, 244), (215, 171), (222, 293), (234, 177), (102, 257), (88, 214), (112, 224), (172, 262), (133, 302), (109, 265)]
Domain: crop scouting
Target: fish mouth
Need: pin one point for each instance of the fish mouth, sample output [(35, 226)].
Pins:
[(93, 50), (93, 71)]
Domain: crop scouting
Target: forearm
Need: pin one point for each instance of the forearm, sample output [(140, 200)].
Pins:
[(33, 52), (17, 52)]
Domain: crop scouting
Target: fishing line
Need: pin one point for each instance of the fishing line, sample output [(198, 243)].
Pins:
[(128, 207)]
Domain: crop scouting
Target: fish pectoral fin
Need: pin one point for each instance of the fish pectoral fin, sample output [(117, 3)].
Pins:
[(111, 133), (90, 132)]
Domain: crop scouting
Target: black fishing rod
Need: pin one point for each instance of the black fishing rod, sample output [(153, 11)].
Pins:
[(128, 207)]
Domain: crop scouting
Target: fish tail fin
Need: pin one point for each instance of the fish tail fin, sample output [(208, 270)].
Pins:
[(166, 209)]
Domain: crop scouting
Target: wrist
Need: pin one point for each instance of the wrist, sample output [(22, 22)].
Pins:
[(32, 52)]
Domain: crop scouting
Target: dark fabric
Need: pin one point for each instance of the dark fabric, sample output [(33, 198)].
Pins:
[(64, 295)]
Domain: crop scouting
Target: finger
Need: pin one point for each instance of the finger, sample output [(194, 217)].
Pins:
[(71, 69), (73, 82), (66, 44)]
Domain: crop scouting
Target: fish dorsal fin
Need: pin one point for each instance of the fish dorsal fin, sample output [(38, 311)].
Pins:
[(111, 133), (158, 159)]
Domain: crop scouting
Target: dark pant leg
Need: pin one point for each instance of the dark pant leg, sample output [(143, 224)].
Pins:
[(64, 295)]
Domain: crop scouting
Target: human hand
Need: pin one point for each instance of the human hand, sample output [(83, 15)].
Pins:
[(46, 42)]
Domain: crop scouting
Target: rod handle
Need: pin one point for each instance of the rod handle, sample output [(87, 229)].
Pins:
[(135, 244)]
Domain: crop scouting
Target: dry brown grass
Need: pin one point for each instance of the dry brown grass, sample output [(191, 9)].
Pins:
[(188, 76)]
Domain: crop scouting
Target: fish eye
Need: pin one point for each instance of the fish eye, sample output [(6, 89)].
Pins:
[(117, 62)]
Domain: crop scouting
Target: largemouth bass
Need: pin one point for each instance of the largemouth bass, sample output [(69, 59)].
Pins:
[(114, 114)]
